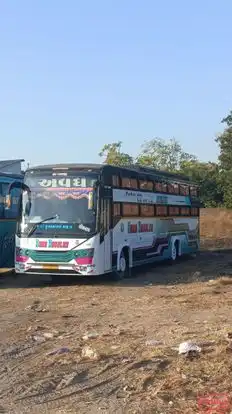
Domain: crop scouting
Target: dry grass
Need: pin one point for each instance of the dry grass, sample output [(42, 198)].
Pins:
[(216, 228), (221, 281)]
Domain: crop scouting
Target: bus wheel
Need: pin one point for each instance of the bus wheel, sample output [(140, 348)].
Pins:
[(123, 270), (174, 251)]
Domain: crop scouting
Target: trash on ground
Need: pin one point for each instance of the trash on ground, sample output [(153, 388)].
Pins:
[(37, 307), (48, 335), (66, 381), (59, 351), (38, 338), (114, 347), (41, 309), (119, 332), (189, 348), (126, 360), (90, 353), (90, 335), (153, 342)]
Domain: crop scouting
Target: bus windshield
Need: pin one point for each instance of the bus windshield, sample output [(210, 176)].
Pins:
[(58, 204)]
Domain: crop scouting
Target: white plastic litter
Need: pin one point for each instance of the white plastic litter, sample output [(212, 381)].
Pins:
[(90, 335), (89, 353), (188, 347)]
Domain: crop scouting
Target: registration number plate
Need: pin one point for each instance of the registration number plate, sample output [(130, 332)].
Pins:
[(50, 267)]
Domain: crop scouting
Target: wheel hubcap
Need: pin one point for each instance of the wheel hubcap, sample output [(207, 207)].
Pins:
[(122, 264), (173, 252)]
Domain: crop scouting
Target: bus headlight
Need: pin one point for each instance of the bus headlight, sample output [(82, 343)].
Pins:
[(21, 255), (84, 257)]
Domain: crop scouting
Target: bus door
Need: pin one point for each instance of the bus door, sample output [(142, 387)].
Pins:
[(106, 231)]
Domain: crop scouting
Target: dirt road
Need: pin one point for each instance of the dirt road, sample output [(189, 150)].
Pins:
[(83, 347)]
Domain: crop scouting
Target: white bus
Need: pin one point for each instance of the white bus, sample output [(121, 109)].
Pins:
[(79, 219)]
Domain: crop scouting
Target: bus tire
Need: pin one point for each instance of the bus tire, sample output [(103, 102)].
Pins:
[(123, 271), (174, 251)]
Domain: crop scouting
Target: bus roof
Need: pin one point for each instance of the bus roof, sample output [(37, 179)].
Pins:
[(67, 166), (100, 167), (11, 175)]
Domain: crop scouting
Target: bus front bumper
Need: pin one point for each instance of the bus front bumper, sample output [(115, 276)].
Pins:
[(54, 269)]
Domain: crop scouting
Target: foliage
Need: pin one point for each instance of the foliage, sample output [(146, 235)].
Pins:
[(206, 175), (224, 141), (163, 155), (112, 155), (228, 120)]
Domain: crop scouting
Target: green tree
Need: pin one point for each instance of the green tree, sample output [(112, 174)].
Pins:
[(224, 141), (112, 155), (228, 120), (163, 155), (206, 175)]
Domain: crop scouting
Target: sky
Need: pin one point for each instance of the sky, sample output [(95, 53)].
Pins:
[(75, 75)]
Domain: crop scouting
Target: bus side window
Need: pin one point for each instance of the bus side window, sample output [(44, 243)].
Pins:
[(173, 188), (115, 181), (146, 185), (130, 210), (160, 187), (193, 191), (174, 211), (147, 210), (184, 190), (194, 211), (129, 182), (161, 210), (185, 211)]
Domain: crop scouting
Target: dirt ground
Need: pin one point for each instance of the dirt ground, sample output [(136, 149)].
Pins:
[(120, 372), (94, 345)]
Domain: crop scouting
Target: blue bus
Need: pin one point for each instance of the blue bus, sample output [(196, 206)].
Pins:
[(8, 219)]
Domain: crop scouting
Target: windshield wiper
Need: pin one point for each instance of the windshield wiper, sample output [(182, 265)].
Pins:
[(34, 227)]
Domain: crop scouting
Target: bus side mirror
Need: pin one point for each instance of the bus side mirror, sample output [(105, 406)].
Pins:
[(8, 198), (21, 186), (27, 208), (93, 196)]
